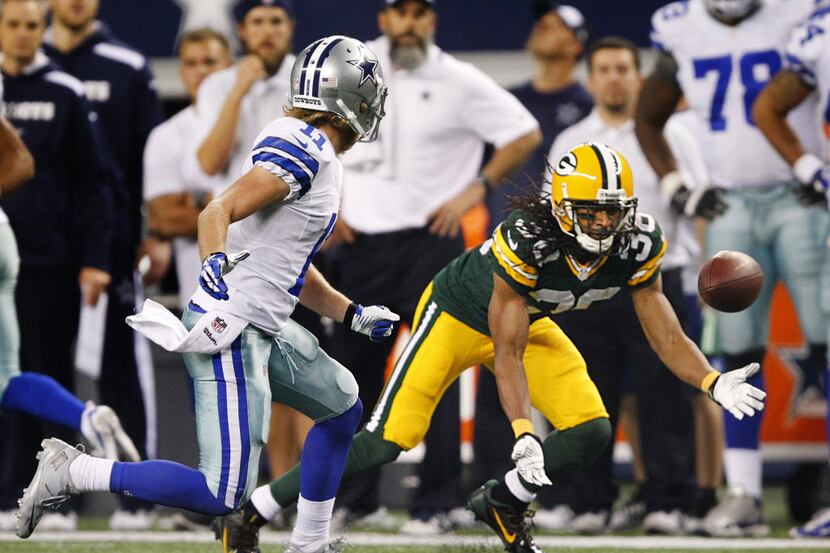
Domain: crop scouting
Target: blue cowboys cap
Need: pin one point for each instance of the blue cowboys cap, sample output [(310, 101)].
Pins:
[(242, 7), (571, 16), (388, 3)]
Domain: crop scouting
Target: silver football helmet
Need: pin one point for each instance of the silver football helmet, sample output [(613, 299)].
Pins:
[(341, 75), (731, 11)]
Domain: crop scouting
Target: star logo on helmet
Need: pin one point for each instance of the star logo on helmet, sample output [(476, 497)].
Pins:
[(367, 70)]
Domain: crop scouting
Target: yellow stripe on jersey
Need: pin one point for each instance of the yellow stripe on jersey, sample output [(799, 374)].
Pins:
[(649, 268), (512, 264)]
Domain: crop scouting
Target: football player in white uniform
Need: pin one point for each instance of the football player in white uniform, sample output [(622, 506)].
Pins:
[(806, 70), (240, 347), (718, 55)]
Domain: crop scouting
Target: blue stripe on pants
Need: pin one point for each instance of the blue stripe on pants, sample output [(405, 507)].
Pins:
[(223, 424), (239, 372)]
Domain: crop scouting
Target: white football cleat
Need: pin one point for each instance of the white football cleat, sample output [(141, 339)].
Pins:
[(50, 486), (102, 429)]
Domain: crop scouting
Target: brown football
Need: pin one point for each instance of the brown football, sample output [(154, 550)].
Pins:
[(730, 281)]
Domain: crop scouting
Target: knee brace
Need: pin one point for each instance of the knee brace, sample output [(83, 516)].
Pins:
[(574, 447)]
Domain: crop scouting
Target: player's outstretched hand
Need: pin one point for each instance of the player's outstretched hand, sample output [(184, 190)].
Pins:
[(375, 321), (530, 459), (214, 267), (732, 391)]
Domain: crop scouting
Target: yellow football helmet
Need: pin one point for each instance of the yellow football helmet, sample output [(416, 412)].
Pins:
[(589, 179)]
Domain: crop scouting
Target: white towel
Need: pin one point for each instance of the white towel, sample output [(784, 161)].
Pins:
[(212, 333)]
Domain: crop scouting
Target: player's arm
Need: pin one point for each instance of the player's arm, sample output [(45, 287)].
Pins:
[(253, 191), (321, 297), (509, 326), (658, 100), (682, 356), (782, 94), (16, 163)]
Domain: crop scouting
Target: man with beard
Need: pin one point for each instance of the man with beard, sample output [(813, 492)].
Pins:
[(119, 87), (403, 199)]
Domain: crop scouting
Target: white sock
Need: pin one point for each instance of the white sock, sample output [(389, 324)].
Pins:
[(311, 531), (517, 488), (91, 474), (743, 468), (265, 503)]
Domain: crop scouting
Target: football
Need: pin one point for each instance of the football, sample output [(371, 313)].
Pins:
[(730, 281)]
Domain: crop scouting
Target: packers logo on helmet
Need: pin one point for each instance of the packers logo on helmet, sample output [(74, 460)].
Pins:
[(592, 197)]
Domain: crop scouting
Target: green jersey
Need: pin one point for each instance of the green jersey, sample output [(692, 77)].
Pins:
[(552, 281)]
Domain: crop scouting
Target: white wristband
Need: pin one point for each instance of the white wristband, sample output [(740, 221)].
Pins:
[(671, 182), (806, 167)]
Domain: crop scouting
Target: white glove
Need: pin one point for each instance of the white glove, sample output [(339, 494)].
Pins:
[(375, 321), (530, 460), (102, 429), (734, 394)]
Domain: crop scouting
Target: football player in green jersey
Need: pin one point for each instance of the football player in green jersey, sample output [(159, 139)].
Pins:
[(492, 306)]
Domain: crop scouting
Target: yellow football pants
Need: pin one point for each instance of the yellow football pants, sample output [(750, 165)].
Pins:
[(441, 347)]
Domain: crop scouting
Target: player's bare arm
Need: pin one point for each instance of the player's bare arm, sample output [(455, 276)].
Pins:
[(16, 163), (215, 151), (658, 99), (446, 220), (509, 326), (250, 193), (782, 94), (666, 336), (322, 298), (685, 360)]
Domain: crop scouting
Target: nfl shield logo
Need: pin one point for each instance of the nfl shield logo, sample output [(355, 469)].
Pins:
[(219, 325)]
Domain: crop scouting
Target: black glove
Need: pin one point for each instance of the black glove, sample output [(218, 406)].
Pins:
[(814, 176), (707, 203)]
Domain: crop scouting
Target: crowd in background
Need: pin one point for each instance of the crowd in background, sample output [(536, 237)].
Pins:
[(114, 204)]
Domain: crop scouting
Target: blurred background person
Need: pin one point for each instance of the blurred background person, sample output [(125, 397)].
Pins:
[(557, 100), (63, 221), (120, 89), (665, 414), (403, 199), (174, 197), (806, 70), (754, 207)]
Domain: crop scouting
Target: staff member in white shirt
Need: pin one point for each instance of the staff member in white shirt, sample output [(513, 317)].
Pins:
[(404, 196), (233, 105), (173, 196), (666, 426)]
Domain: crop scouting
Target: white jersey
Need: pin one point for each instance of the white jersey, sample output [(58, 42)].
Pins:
[(430, 147), (721, 71), (283, 238), (262, 104), (650, 199), (808, 54), (171, 168)]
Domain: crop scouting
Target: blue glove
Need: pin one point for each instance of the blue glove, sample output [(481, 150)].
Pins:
[(375, 321), (214, 267)]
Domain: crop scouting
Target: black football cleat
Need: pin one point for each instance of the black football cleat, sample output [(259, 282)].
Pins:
[(507, 521)]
